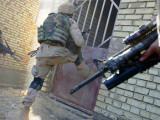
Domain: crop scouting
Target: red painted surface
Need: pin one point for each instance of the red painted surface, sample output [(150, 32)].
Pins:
[(67, 76)]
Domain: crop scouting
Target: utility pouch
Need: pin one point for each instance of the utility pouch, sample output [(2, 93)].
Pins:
[(41, 34)]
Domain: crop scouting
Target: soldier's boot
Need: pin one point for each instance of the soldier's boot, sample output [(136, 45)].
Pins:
[(27, 102), (83, 69), (30, 97), (24, 113)]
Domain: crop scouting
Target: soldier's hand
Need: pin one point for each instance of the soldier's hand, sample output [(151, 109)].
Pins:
[(154, 48)]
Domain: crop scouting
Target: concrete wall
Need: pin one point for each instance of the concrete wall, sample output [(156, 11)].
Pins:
[(139, 97), (17, 22)]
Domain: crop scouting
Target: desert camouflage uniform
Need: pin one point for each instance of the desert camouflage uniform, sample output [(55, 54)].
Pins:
[(60, 42), (57, 46)]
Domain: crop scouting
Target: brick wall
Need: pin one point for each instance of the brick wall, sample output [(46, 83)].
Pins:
[(17, 22), (139, 97)]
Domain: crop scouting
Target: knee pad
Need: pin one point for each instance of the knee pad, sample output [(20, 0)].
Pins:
[(36, 83)]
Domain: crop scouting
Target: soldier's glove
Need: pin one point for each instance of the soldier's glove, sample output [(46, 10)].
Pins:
[(33, 53)]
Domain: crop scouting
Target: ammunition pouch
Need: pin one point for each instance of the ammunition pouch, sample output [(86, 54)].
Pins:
[(57, 36)]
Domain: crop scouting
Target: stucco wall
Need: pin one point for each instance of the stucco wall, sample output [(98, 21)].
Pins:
[(139, 97)]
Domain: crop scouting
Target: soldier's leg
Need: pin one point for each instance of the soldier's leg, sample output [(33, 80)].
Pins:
[(39, 71), (81, 66)]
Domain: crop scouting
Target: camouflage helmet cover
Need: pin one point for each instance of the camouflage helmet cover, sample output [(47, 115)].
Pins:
[(66, 8)]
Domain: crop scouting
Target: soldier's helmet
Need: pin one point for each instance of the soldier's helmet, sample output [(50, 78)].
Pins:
[(66, 8)]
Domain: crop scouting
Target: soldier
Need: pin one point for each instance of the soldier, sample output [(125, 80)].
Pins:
[(60, 42)]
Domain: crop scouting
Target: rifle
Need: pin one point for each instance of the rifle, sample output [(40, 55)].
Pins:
[(125, 64), (7, 49)]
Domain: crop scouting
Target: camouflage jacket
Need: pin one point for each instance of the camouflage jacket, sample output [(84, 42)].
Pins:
[(55, 31)]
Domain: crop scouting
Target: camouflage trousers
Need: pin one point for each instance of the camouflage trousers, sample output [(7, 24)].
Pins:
[(44, 65), (41, 69), (48, 56)]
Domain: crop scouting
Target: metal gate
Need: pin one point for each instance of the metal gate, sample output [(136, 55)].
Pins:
[(96, 19), (99, 17)]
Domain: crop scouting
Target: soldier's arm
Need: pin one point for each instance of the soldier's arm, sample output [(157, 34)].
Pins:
[(76, 33), (154, 48)]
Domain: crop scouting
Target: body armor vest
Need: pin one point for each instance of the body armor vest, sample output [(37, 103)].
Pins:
[(55, 31)]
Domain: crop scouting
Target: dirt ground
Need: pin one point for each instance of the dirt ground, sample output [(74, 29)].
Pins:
[(44, 108)]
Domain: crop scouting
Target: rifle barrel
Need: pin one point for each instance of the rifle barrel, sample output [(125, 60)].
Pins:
[(77, 87)]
